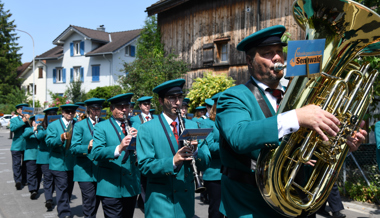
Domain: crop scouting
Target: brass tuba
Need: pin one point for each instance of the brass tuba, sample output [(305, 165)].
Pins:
[(343, 88)]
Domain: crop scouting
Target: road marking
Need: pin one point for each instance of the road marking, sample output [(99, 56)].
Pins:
[(25, 195), (11, 181)]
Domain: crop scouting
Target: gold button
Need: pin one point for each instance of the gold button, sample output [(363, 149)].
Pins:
[(84, 153)]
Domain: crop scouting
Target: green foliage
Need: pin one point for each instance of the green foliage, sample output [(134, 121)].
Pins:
[(360, 191), (9, 58), (14, 97), (151, 67), (37, 103), (75, 93), (206, 87), (105, 92), (285, 38)]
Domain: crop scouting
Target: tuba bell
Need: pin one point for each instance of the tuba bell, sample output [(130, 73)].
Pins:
[(343, 88)]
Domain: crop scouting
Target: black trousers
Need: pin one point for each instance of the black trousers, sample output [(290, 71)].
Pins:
[(118, 207), (214, 190), (64, 185), (33, 175), (90, 202), (335, 202), (18, 166), (48, 182)]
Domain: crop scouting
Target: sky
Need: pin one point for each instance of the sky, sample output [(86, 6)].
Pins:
[(45, 20)]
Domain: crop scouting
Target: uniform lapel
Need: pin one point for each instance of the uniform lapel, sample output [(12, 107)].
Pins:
[(170, 133), (265, 98), (119, 132)]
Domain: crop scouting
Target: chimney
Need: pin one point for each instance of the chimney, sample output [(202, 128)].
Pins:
[(101, 28)]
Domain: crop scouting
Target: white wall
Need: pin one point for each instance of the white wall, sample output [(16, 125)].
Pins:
[(39, 82)]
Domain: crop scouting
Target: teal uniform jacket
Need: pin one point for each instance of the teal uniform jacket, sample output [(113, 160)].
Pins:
[(170, 192), (43, 154), (242, 123), (136, 121), (115, 179), (197, 120), (17, 127), (212, 173), (85, 169), (32, 142), (377, 137), (60, 158)]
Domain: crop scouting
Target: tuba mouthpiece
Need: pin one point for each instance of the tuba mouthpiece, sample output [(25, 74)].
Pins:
[(278, 66)]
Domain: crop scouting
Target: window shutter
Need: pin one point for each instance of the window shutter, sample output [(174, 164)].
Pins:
[(71, 75), (64, 75), (54, 75), (71, 49), (35, 89), (132, 51), (82, 74), (95, 73), (82, 48)]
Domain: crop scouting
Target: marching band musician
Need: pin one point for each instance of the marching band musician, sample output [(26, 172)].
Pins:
[(61, 162), (118, 182), (200, 114), (165, 163), (43, 156), (17, 125), (145, 116), (30, 158), (244, 129), (85, 169), (212, 176), (79, 116), (185, 107), (209, 103)]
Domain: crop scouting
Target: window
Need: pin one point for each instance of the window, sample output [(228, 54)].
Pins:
[(60, 94), (40, 72), (222, 51), (59, 74), (30, 89), (76, 73), (76, 48), (130, 50), (95, 73)]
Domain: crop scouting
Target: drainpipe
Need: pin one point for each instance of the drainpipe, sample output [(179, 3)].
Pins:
[(104, 56)]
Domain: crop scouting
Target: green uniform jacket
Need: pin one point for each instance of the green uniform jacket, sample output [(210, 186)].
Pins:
[(377, 137), (136, 121), (85, 169), (60, 158), (212, 173), (43, 154), (169, 193), (31, 144), (115, 180), (242, 123), (197, 120), (17, 127)]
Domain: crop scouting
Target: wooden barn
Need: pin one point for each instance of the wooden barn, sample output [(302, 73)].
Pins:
[(205, 33)]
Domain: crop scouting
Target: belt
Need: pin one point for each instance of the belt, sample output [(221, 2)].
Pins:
[(239, 175)]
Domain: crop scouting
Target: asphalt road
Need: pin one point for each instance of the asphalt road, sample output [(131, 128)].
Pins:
[(17, 204)]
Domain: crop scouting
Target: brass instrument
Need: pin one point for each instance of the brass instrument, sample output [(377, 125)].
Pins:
[(198, 181), (343, 88), (69, 135)]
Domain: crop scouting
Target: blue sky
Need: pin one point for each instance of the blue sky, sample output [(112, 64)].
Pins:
[(46, 19)]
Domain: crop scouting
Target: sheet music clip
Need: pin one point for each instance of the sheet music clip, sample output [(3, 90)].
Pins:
[(194, 134)]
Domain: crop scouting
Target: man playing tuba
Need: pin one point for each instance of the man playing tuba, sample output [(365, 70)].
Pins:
[(244, 129)]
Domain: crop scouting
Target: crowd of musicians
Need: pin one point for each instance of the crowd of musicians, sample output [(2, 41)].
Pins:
[(119, 162)]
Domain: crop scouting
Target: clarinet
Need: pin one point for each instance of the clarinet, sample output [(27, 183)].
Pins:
[(198, 181), (127, 127), (96, 120)]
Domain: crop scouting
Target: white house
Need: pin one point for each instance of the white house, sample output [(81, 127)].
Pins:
[(94, 57)]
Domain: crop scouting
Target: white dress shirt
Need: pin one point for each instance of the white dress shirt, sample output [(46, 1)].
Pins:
[(287, 122), (116, 153), (65, 123), (145, 115)]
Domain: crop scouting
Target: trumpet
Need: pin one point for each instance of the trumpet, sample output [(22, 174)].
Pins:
[(198, 181)]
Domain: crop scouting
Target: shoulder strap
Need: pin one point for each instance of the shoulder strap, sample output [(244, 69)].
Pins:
[(141, 118), (256, 92), (89, 127), (117, 132), (60, 121), (167, 135)]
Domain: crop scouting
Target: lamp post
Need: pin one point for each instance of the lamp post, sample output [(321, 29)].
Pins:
[(33, 59)]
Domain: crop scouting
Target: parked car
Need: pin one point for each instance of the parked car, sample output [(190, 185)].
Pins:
[(5, 120)]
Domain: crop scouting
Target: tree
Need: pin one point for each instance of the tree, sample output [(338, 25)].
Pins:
[(206, 87), (75, 93), (9, 58), (152, 66), (14, 97), (105, 92)]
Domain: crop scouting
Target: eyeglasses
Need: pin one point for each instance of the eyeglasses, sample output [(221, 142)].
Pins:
[(69, 111), (121, 107), (174, 98)]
